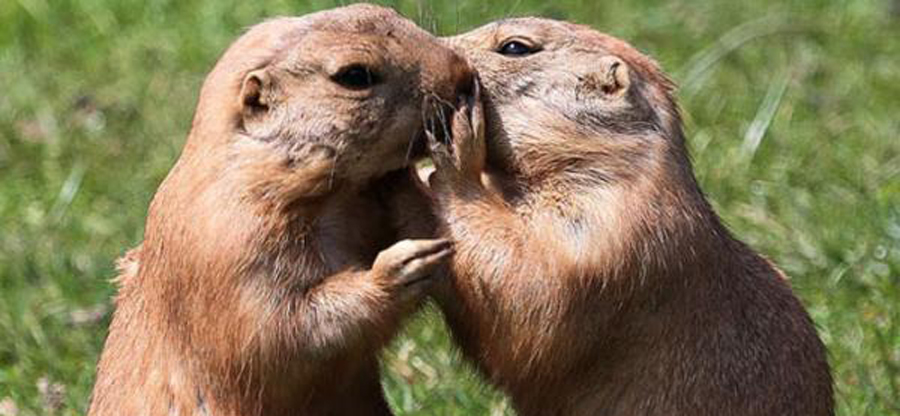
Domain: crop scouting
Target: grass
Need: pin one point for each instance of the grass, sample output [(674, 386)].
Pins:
[(792, 116)]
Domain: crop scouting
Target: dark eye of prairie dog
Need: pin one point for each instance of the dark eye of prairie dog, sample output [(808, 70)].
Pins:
[(356, 77), (516, 48)]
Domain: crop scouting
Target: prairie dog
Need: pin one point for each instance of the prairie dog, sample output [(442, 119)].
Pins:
[(591, 276), (267, 283)]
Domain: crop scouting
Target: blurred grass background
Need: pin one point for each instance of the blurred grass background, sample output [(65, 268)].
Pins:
[(792, 112)]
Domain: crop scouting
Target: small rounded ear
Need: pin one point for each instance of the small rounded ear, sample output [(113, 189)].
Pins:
[(255, 93), (615, 77)]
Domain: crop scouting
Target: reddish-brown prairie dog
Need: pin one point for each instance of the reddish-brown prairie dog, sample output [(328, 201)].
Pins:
[(267, 283), (591, 276)]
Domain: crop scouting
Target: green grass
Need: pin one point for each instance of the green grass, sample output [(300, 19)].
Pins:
[(792, 110)]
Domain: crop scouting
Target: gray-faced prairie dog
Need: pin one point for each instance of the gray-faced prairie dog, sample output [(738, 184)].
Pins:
[(264, 284), (591, 276)]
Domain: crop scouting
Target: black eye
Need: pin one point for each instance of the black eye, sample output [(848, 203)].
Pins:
[(516, 48), (355, 77)]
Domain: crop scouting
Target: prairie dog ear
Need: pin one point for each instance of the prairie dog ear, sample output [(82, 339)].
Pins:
[(256, 93), (615, 77)]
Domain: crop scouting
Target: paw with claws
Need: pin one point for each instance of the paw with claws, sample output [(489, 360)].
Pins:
[(460, 161), (408, 265)]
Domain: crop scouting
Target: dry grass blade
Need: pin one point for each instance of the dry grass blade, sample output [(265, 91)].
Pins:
[(764, 115), (696, 70)]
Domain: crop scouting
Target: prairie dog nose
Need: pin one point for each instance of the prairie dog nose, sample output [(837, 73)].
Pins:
[(463, 77), (453, 78)]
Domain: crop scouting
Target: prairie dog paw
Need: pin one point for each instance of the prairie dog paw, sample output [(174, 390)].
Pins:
[(462, 157), (410, 262)]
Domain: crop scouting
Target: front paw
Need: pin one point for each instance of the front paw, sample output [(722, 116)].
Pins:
[(407, 266), (461, 159)]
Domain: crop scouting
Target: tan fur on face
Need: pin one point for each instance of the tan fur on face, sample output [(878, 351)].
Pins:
[(591, 276), (265, 284)]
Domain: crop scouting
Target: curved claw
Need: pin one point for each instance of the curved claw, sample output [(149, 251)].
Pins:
[(476, 110)]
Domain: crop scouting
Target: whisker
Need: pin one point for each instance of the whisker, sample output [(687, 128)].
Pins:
[(409, 148), (337, 156), (445, 126)]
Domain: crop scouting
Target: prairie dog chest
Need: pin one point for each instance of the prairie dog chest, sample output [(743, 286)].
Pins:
[(352, 230)]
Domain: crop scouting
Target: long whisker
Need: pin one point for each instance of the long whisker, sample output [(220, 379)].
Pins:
[(445, 125), (409, 147), (331, 174)]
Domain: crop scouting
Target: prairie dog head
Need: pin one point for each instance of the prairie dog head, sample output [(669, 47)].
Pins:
[(564, 98), (343, 89)]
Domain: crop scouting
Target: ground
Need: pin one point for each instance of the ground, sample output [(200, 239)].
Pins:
[(792, 118)]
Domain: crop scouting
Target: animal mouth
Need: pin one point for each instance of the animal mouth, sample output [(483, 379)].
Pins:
[(438, 114), (437, 117), (418, 147)]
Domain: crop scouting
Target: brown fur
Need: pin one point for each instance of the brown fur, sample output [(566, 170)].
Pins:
[(263, 285), (591, 276)]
